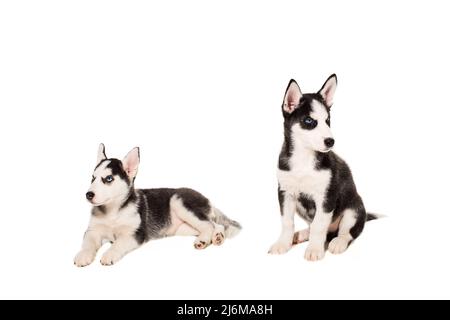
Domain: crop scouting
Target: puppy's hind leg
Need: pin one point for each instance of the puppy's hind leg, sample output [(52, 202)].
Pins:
[(301, 236), (186, 230), (204, 227), (218, 237), (350, 227)]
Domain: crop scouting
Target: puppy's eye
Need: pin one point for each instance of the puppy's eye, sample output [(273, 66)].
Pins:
[(328, 121), (109, 179), (308, 121), (93, 178)]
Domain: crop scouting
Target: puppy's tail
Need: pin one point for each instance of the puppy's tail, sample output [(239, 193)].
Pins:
[(374, 216), (232, 227)]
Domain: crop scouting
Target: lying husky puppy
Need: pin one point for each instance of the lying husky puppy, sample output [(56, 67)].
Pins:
[(129, 217)]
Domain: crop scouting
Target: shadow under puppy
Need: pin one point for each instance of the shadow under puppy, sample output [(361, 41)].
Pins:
[(129, 217)]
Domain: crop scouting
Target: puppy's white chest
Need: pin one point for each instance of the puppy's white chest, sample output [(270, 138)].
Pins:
[(114, 224), (304, 178)]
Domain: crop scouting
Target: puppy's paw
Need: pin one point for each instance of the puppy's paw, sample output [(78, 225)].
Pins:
[(84, 258), (314, 253), (338, 245), (200, 244), (280, 247), (110, 257), (301, 236), (218, 238)]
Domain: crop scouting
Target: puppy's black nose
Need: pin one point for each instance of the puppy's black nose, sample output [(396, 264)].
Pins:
[(329, 142), (90, 195)]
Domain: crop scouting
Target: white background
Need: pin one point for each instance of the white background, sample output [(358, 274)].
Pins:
[(198, 86)]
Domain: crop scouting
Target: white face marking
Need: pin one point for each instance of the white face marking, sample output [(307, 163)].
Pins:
[(107, 192), (314, 139)]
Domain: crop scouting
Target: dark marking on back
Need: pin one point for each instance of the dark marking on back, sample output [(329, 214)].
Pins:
[(154, 209), (195, 202)]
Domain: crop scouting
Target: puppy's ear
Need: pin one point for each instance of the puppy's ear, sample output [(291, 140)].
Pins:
[(131, 162), (328, 90), (291, 97), (101, 155)]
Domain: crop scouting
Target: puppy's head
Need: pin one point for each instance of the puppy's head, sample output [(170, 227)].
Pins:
[(307, 116), (112, 178)]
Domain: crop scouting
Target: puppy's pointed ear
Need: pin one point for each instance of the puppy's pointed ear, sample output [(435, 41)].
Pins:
[(101, 155), (131, 162), (328, 90), (291, 97)]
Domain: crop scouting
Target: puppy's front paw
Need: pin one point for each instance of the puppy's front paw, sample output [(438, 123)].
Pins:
[(314, 253), (280, 247), (84, 258), (338, 245), (110, 257)]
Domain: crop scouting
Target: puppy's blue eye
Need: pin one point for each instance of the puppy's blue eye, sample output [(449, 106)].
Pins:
[(308, 120), (109, 179)]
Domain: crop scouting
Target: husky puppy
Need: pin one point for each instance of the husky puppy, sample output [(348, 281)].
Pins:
[(312, 180), (128, 217)]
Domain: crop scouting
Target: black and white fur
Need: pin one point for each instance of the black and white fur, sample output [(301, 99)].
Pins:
[(312, 180), (129, 217)]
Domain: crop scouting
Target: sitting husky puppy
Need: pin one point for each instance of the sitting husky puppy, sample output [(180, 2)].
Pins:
[(312, 180), (129, 217)]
